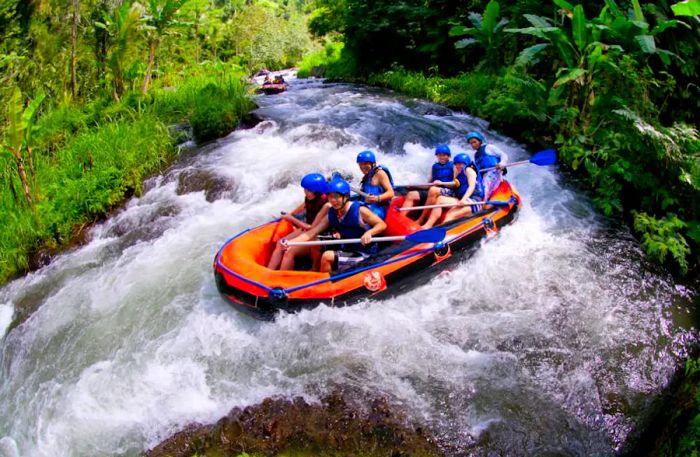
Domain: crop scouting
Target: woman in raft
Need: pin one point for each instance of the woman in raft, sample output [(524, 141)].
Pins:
[(313, 208)]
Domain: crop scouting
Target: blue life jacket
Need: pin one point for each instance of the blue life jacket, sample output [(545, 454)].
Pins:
[(350, 226), (442, 172), (464, 184), (485, 160), (378, 208)]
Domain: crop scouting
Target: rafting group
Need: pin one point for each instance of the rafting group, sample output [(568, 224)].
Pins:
[(456, 185), (381, 242), (273, 85)]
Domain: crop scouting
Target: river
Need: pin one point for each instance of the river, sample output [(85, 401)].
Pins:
[(552, 339)]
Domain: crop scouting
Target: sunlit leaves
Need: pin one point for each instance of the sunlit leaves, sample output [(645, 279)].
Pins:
[(687, 8), (661, 237)]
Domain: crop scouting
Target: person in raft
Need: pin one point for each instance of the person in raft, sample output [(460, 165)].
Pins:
[(470, 188), (351, 219), (442, 171), (376, 182), (488, 156), (313, 209)]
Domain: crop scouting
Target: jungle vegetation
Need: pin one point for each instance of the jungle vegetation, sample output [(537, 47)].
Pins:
[(612, 84), (91, 90)]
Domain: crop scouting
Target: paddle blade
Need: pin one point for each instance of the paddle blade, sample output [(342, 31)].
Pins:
[(432, 235), (546, 157)]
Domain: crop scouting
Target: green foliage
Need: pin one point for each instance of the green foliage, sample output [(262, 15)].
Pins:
[(88, 159), (486, 32), (262, 39), (213, 115), (316, 63), (687, 8), (661, 237)]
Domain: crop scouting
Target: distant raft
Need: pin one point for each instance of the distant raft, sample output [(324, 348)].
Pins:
[(243, 279), (270, 89)]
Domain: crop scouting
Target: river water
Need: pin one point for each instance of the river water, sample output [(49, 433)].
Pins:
[(552, 339)]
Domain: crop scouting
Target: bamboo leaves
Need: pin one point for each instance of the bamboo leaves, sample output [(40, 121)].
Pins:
[(18, 136)]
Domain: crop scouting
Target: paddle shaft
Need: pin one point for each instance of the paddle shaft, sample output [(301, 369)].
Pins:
[(452, 205), (512, 164), (429, 184), (345, 241)]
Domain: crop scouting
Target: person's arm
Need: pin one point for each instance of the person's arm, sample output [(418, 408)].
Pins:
[(312, 232), (497, 152), (388, 193), (322, 214), (376, 223), (471, 180), (296, 222)]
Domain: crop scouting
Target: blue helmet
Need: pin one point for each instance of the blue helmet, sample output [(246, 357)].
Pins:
[(443, 149), (314, 182), (366, 156), (338, 186), (463, 158), (476, 135)]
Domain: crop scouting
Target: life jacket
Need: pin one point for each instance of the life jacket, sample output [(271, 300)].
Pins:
[(314, 206), (485, 160), (464, 184), (378, 208), (442, 172), (350, 226)]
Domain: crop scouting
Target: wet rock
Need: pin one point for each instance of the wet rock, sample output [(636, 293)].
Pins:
[(197, 180), (340, 425), (181, 133), (249, 120)]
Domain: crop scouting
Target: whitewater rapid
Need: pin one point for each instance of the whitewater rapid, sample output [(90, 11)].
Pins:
[(553, 337)]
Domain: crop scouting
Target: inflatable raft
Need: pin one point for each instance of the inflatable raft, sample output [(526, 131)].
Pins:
[(273, 88), (243, 279)]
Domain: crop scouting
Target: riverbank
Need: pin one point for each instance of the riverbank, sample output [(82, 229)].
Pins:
[(86, 160)]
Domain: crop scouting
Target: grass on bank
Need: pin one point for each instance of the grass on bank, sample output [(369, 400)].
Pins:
[(87, 159)]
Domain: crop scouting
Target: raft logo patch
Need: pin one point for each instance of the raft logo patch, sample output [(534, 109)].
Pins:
[(374, 281)]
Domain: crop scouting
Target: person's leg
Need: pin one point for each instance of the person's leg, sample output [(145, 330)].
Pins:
[(315, 253), (491, 181), (327, 260), (290, 255), (411, 198), (435, 213), (278, 252), (433, 195)]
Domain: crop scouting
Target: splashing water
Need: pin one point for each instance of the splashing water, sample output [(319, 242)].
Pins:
[(552, 338)]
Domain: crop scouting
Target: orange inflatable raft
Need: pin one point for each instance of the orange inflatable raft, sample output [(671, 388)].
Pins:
[(243, 279)]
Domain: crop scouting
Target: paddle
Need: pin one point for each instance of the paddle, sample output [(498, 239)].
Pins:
[(359, 192), (428, 184), (432, 235), (452, 205), (546, 157)]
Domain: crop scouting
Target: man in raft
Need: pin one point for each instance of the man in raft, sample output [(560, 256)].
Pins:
[(351, 219), (376, 182)]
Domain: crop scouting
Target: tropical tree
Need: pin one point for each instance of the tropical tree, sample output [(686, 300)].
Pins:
[(486, 33), (18, 139), (122, 26), (158, 18)]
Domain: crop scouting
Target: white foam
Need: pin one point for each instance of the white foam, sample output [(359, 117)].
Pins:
[(7, 311)]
